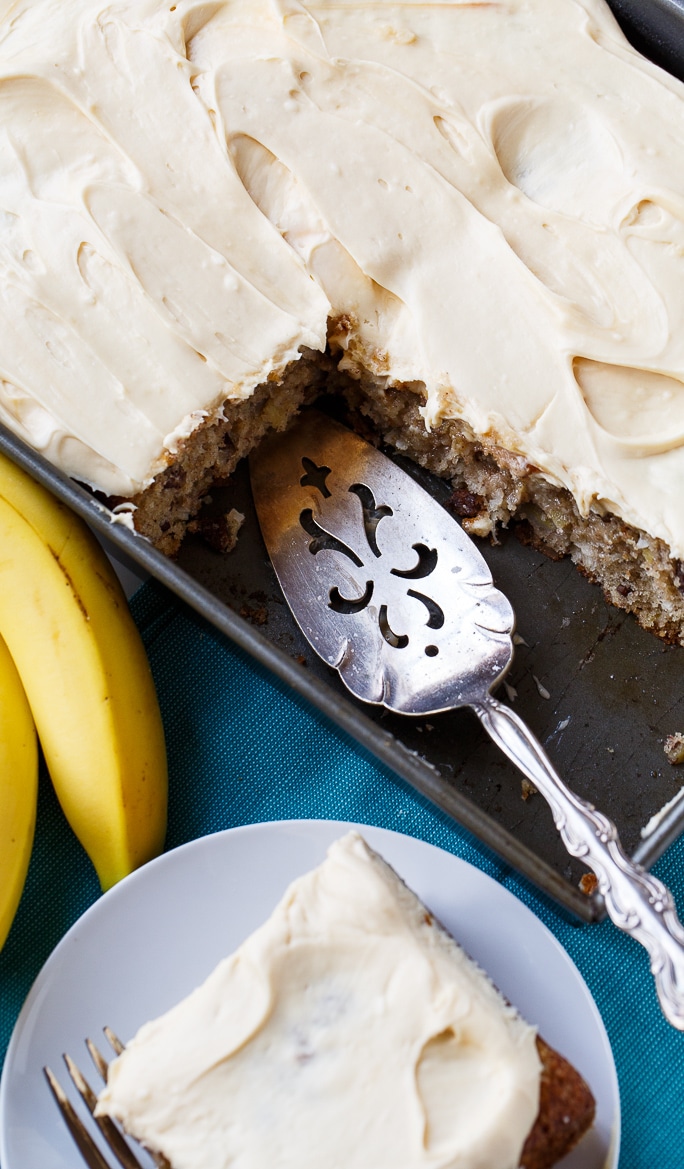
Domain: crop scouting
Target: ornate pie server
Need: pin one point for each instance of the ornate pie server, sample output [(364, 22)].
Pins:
[(391, 592)]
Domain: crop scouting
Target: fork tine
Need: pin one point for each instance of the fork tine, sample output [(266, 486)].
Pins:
[(80, 1083), (114, 1042), (86, 1145), (103, 1068), (120, 1147), (98, 1059)]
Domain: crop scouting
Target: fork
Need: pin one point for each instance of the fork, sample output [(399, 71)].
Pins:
[(111, 1133)]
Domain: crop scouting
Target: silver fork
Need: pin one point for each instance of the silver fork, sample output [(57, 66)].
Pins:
[(112, 1135)]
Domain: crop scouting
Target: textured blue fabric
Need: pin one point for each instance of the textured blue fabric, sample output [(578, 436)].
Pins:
[(243, 749)]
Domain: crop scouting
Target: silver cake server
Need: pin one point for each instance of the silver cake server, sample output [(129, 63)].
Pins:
[(391, 592)]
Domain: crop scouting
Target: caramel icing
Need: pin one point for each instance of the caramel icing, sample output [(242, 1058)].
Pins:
[(349, 1031), (491, 192)]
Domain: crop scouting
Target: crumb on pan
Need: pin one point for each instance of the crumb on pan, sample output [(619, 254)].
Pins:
[(220, 532), (588, 883), (674, 748)]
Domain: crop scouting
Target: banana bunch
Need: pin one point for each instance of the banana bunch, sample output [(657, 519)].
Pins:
[(72, 664)]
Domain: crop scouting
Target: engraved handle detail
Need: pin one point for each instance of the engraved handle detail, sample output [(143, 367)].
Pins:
[(636, 901)]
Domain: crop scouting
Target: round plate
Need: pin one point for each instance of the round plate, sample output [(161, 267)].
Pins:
[(150, 940)]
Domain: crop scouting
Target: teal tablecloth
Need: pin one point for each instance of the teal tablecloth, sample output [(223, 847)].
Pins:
[(241, 750)]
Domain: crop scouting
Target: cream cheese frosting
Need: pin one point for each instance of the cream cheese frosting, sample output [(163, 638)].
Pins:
[(350, 1031), (491, 192)]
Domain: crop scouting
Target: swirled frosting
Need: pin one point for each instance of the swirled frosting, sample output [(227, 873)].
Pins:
[(491, 192), (349, 1031)]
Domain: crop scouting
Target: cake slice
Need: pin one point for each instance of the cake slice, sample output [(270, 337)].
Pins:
[(350, 1031)]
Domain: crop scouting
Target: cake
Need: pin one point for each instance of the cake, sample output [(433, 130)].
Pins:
[(349, 1030), (467, 218)]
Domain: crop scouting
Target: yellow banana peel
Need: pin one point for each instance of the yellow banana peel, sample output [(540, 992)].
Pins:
[(80, 658), (18, 789)]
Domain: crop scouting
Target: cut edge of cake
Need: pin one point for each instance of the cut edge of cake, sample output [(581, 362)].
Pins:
[(492, 486)]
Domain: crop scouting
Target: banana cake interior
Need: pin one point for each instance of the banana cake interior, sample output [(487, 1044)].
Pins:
[(492, 486)]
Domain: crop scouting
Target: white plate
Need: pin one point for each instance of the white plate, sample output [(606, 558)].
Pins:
[(153, 938)]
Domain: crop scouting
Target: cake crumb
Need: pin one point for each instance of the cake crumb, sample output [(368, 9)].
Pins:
[(527, 789), (674, 748), (256, 616), (219, 532), (589, 883), (481, 525)]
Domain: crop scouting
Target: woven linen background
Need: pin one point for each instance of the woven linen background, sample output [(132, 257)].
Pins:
[(242, 750)]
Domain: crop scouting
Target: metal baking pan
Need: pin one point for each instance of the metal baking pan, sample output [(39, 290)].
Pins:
[(656, 29), (614, 691), (599, 692)]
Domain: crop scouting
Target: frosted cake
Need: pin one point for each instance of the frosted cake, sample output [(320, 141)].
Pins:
[(349, 1031), (467, 217)]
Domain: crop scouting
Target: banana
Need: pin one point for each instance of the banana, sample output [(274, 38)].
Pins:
[(87, 679), (18, 789)]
